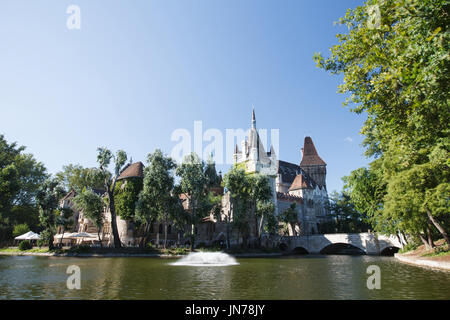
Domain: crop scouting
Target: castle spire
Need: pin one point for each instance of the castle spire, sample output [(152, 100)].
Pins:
[(253, 117), (310, 157)]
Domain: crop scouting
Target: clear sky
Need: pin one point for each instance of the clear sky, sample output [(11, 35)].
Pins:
[(138, 70)]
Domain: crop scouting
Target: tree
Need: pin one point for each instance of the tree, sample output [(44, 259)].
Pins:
[(196, 180), (104, 158), (64, 220), (290, 217), (47, 199), (346, 218), (92, 206), (397, 72), (75, 177), (251, 200), (156, 200), (20, 177)]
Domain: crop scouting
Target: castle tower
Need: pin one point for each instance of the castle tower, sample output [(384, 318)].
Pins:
[(312, 164)]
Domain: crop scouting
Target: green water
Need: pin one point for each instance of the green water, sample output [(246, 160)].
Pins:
[(301, 277)]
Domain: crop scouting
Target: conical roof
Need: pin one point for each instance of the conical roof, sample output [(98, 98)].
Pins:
[(310, 156)]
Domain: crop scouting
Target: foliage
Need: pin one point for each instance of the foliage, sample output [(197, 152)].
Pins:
[(397, 72), (346, 218), (20, 229), (196, 181), (251, 199), (104, 157), (25, 245), (20, 178), (156, 201), (47, 199), (92, 206), (75, 177), (290, 217), (126, 195)]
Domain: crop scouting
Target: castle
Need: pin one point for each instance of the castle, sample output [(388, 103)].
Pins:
[(303, 184)]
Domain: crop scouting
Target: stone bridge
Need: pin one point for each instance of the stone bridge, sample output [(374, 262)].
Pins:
[(370, 243)]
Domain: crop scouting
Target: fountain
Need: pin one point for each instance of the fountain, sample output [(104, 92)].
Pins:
[(206, 259)]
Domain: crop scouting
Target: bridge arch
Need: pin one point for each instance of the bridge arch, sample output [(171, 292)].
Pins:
[(300, 250), (389, 251), (342, 248)]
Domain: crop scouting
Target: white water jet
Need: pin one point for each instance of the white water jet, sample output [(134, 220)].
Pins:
[(208, 259)]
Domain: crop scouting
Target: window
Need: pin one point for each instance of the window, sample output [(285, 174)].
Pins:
[(160, 228), (169, 229)]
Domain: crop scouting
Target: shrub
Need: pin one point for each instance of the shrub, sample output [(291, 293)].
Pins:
[(25, 245)]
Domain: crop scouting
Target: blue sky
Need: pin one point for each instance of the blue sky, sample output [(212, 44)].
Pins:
[(138, 70)]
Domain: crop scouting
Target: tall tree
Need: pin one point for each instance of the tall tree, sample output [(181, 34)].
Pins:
[(157, 201), (20, 178), (93, 207), (196, 180), (395, 63), (251, 200), (47, 198), (104, 158), (64, 221)]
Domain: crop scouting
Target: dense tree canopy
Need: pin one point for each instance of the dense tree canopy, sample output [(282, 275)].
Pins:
[(77, 178), (20, 178), (395, 63)]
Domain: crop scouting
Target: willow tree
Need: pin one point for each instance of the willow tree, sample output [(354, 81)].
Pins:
[(395, 66), (104, 158)]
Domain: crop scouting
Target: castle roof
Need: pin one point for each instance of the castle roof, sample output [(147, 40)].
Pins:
[(289, 197), (310, 156), (132, 170), (301, 182)]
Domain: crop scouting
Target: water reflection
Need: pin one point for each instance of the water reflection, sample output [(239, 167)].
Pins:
[(299, 277)]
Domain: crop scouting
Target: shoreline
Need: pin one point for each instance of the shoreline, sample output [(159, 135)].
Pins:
[(423, 262), (124, 255)]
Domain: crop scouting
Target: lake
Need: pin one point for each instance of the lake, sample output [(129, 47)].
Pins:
[(292, 277)]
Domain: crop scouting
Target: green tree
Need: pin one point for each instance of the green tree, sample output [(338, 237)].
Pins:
[(290, 217), (75, 177), (47, 199), (157, 201), (104, 158), (251, 201), (64, 221), (397, 71), (20, 177), (20, 229), (196, 181), (93, 207)]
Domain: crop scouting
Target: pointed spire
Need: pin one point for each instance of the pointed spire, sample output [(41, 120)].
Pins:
[(253, 117), (310, 156)]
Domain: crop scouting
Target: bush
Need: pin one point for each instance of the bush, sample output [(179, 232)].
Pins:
[(412, 245), (25, 245)]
